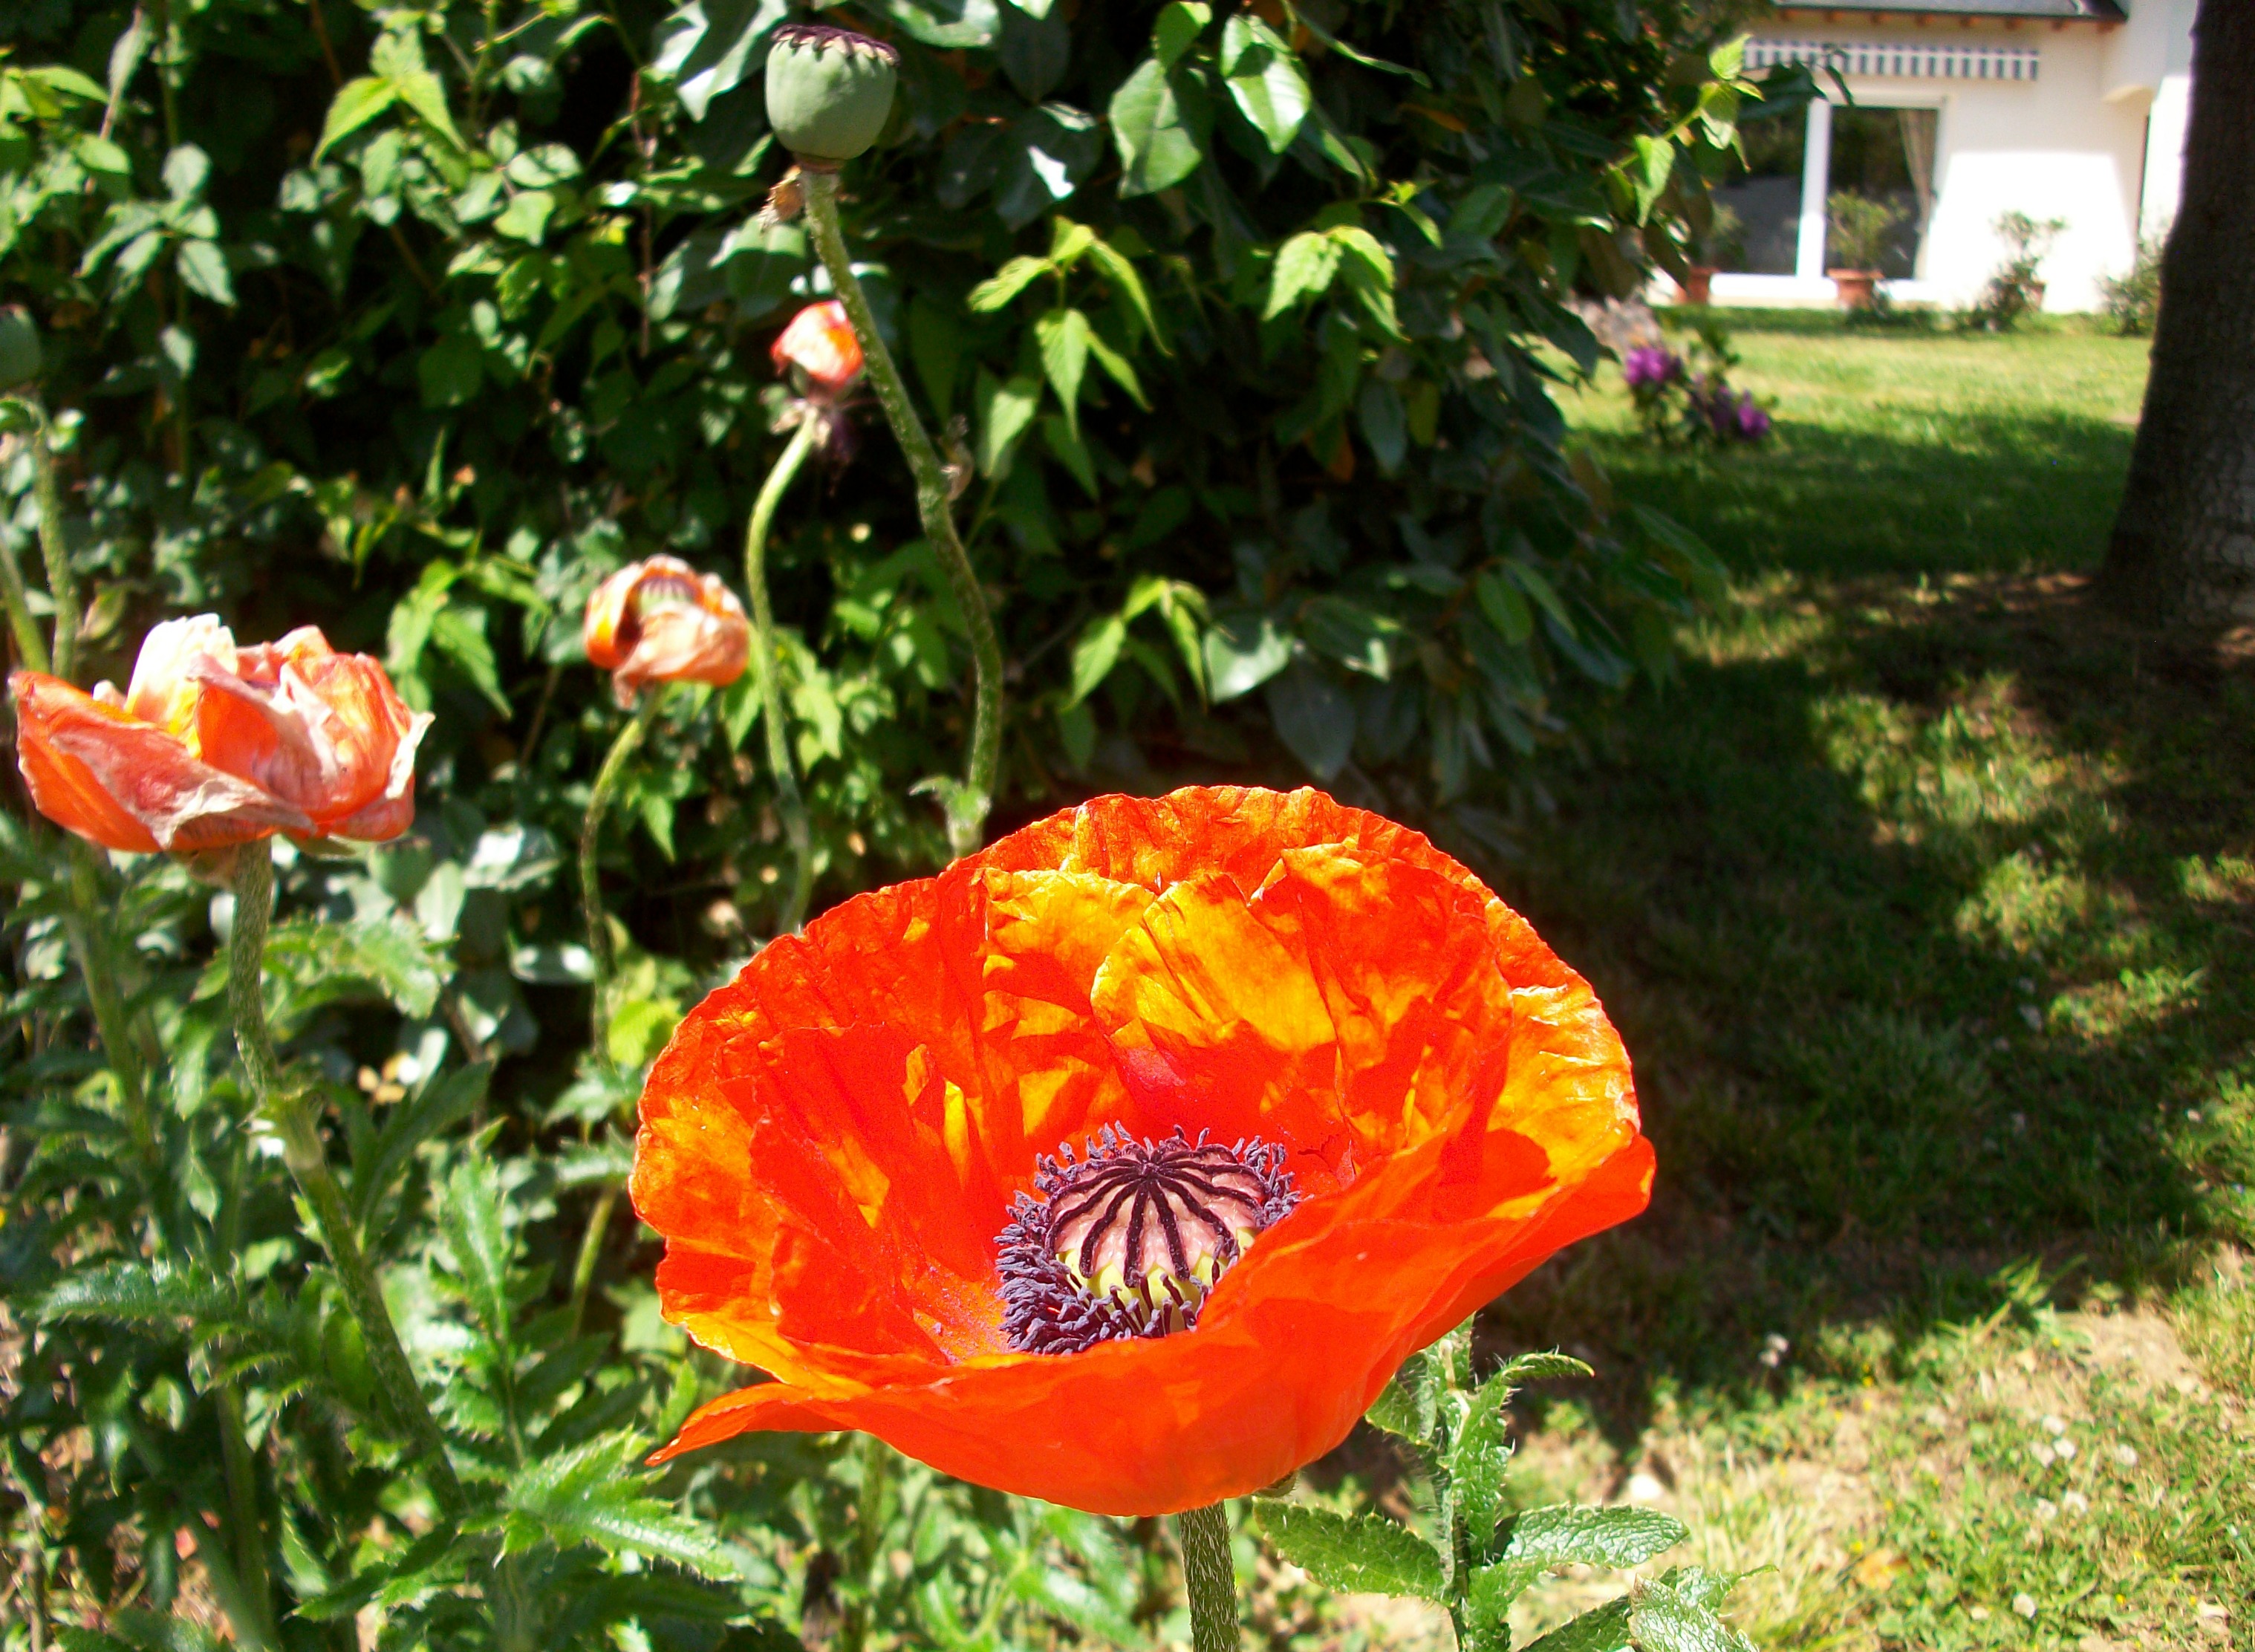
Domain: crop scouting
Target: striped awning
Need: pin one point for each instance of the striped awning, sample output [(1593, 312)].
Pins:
[(1903, 59)]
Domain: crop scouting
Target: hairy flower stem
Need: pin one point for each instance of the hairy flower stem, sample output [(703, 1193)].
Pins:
[(83, 925), (767, 668), (1209, 1577), (292, 1113), (591, 1250), (62, 581), (966, 804), (31, 647), (591, 884)]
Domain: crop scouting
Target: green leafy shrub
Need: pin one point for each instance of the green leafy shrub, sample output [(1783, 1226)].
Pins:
[(2132, 300), (414, 321)]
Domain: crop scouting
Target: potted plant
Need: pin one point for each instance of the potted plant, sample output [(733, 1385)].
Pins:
[(1857, 234), (2016, 290), (1718, 241)]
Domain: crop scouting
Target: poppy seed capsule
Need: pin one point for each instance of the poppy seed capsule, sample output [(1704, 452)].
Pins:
[(1128, 1241), (829, 91)]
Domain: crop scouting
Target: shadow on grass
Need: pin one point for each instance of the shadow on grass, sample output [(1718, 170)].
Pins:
[(1960, 492), (1924, 904)]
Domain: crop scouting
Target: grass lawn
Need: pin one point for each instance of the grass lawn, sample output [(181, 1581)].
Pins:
[(1926, 903)]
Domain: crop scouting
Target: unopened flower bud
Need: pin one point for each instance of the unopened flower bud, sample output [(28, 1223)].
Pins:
[(829, 91)]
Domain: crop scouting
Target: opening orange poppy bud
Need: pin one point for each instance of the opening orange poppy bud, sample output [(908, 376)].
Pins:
[(660, 621), (821, 344), (212, 744), (1425, 1104)]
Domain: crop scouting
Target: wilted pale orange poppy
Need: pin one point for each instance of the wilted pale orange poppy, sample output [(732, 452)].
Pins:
[(213, 744), (820, 343), (663, 621), (1324, 1095)]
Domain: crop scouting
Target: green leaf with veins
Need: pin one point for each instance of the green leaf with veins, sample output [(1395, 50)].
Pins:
[(1363, 1554)]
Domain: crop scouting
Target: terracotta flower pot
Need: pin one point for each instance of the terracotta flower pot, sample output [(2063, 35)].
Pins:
[(1698, 279), (1854, 287)]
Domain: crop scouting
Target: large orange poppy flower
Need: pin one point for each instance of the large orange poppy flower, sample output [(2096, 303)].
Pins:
[(212, 744), (660, 621), (1394, 1102)]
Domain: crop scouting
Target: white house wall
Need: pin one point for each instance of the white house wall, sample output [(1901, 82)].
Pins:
[(2053, 147)]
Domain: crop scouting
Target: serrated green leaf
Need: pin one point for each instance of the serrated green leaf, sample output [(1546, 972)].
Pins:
[(137, 1292), (1005, 407), (1488, 1602), (203, 270), (590, 1494), (1151, 128), (1665, 1619), (1242, 651), (1064, 337), (1479, 1459), (356, 103), (1304, 270), (1568, 1534), (474, 1215), (1117, 369), (1605, 1629), (1094, 655), (1541, 1365), (1406, 1407), (1360, 1553), (1008, 283), (426, 95), (1122, 274), (1264, 79)]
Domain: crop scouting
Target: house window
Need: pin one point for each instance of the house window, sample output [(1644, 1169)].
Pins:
[(1887, 155), (1795, 162), (1765, 202)]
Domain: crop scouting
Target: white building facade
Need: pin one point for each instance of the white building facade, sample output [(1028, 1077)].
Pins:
[(2071, 110)]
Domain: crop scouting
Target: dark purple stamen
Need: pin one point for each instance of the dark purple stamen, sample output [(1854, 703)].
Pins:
[(1127, 1240)]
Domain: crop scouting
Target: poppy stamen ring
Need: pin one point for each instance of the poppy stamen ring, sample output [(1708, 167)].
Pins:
[(1127, 1239)]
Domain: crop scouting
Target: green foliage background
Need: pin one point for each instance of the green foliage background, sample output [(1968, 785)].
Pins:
[(414, 321)]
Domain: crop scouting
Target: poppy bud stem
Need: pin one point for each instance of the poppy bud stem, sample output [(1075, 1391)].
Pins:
[(290, 1111), (62, 581), (1209, 1577), (590, 886), (767, 666), (967, 806)]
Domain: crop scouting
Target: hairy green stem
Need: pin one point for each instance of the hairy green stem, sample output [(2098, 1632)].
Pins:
[(1209, 1577), (591, 1249), (31, 647), (249, 1539), (87, 927), (591, 885), (967, 806), (767, 667), (62, 582), (292, 1115)]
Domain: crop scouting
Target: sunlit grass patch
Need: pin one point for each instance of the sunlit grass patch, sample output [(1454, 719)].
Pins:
[(1926, 902)]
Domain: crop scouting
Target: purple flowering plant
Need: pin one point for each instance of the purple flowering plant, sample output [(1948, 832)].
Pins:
[(1687, 398)]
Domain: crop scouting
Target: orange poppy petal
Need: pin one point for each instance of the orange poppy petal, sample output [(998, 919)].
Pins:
[(127, 784), (325, 732), (832, 1142)]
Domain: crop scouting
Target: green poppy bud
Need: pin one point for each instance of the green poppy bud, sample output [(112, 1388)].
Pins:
[(829, 91), (19, 348)]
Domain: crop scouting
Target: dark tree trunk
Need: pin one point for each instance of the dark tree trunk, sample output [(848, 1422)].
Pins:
[(2183, 550)]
